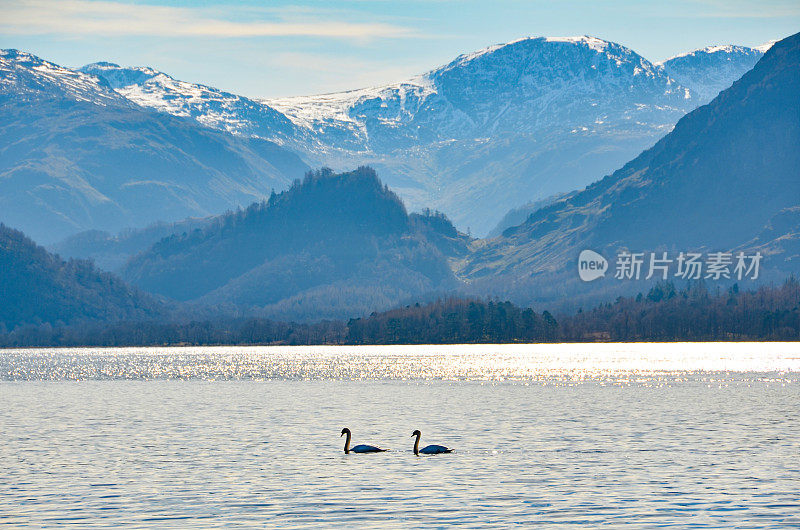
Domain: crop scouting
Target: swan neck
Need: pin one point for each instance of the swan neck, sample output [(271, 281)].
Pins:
[(347, 443), (416, 445)]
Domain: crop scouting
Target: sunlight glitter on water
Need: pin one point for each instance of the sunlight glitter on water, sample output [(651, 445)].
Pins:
[(653, 363), (635, 435)]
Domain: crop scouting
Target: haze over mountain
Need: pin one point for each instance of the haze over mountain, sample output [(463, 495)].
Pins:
[(110, 251), (726, 178), (488, 132), (330, 246), (77, 155)]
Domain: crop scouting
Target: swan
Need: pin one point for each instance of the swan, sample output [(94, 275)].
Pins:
[(428, 449), (359, 448)]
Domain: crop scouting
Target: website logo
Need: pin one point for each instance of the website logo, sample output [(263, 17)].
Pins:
[(591, 265)]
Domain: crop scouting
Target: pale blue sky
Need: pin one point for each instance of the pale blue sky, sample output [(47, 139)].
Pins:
[(280, 48)]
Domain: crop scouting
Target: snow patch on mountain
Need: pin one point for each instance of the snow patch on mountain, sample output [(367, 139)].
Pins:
[(592, 42), (766, 46)]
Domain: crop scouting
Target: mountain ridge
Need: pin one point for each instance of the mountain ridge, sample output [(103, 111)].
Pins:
[(567, 110), (488, 132), (714, 183)]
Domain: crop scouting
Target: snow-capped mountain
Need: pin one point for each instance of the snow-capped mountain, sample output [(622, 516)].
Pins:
[(24, 75), (492, 129), (489, 131), (521, 87), (209, 106), (712, 69), (75, 155)]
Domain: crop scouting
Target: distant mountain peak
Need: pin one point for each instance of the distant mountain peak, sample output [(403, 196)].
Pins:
[(482, 86), (210, 106), (534, 45), (23, 73), (582, 40), (722, 49), (707, 71)]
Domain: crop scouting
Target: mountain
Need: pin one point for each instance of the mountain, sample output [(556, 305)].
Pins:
[(507, 125), (727, 177), (207, 105), (77, 155), (331, 245), (37, 287), (712, 69), (491, 130), (508, 87)]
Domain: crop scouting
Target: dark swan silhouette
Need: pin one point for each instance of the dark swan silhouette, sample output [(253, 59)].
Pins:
[(359, 448), (428, 449)]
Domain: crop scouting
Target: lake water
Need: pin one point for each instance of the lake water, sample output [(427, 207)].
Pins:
[(646, 435)]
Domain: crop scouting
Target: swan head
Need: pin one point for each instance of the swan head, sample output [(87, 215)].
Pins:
[(344, 431), (416, 433)]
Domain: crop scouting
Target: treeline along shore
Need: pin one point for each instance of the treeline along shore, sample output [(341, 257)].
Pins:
[(665, 313)]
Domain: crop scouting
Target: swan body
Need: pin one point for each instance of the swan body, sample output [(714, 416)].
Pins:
[(435, 450), (361, 448), (428, 449)]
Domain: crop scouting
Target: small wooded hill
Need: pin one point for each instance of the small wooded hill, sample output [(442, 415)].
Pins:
[(331, 245), (37, 287)]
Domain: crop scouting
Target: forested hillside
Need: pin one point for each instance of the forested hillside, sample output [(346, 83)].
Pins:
[(111, 252), (37, 287)]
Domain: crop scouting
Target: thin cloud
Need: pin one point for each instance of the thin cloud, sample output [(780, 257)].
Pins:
[(104, 18), (744, 9)]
